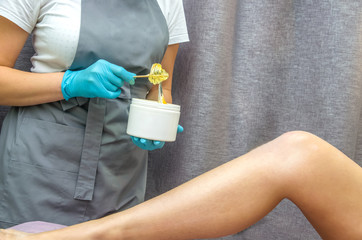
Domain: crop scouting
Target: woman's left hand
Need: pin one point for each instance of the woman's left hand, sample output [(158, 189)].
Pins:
[(150, 145)]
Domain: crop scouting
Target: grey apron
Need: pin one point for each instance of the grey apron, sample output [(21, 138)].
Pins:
[(71, 161)]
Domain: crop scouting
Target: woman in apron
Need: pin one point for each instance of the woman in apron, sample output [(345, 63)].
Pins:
[(64, 153)]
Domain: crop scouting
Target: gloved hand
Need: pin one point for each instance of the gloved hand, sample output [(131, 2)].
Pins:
[(102, 79), (151, 144)]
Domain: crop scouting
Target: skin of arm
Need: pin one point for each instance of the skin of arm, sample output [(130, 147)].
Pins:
[(20, 88), (167, 63), (324, 183)]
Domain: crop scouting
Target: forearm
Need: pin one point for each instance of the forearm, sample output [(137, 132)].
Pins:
[(19, 88), (168, 63)]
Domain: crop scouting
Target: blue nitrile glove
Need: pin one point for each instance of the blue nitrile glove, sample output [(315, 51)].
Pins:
[(102, 79), (151, 144)]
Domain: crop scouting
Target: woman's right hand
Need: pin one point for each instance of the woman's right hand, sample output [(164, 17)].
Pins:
[(102, 79)]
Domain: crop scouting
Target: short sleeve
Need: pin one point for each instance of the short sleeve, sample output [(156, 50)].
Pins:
[(23, 13), (176, 20)]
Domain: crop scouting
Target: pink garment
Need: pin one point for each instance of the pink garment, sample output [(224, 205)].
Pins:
[(37, 227)]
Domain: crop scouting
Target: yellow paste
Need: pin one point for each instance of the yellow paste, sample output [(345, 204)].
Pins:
[(157, 74), (162, 100)]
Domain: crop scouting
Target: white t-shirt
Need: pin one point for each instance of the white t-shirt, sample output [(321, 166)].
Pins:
[(55, 27)]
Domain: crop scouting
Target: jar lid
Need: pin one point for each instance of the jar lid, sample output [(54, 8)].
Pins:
[(155, 104)]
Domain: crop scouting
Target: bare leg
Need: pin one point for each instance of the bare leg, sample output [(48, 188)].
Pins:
[(318, 178), (327, 187)]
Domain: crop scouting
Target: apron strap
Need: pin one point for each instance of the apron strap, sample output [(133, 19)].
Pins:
[(72, 102), (91, 149)]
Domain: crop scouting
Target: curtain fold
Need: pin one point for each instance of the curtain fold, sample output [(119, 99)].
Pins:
[(254, 70)]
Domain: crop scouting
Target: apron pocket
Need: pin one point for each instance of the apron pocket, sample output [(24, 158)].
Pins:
[(42, 174), (48, 145)]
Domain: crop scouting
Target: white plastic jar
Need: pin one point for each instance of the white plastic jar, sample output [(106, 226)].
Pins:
[(152, 120)]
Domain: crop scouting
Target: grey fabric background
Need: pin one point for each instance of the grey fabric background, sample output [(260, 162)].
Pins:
[(252, 71)]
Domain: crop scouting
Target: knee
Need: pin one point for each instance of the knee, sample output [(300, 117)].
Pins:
[(301, 151), (300, 142)]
